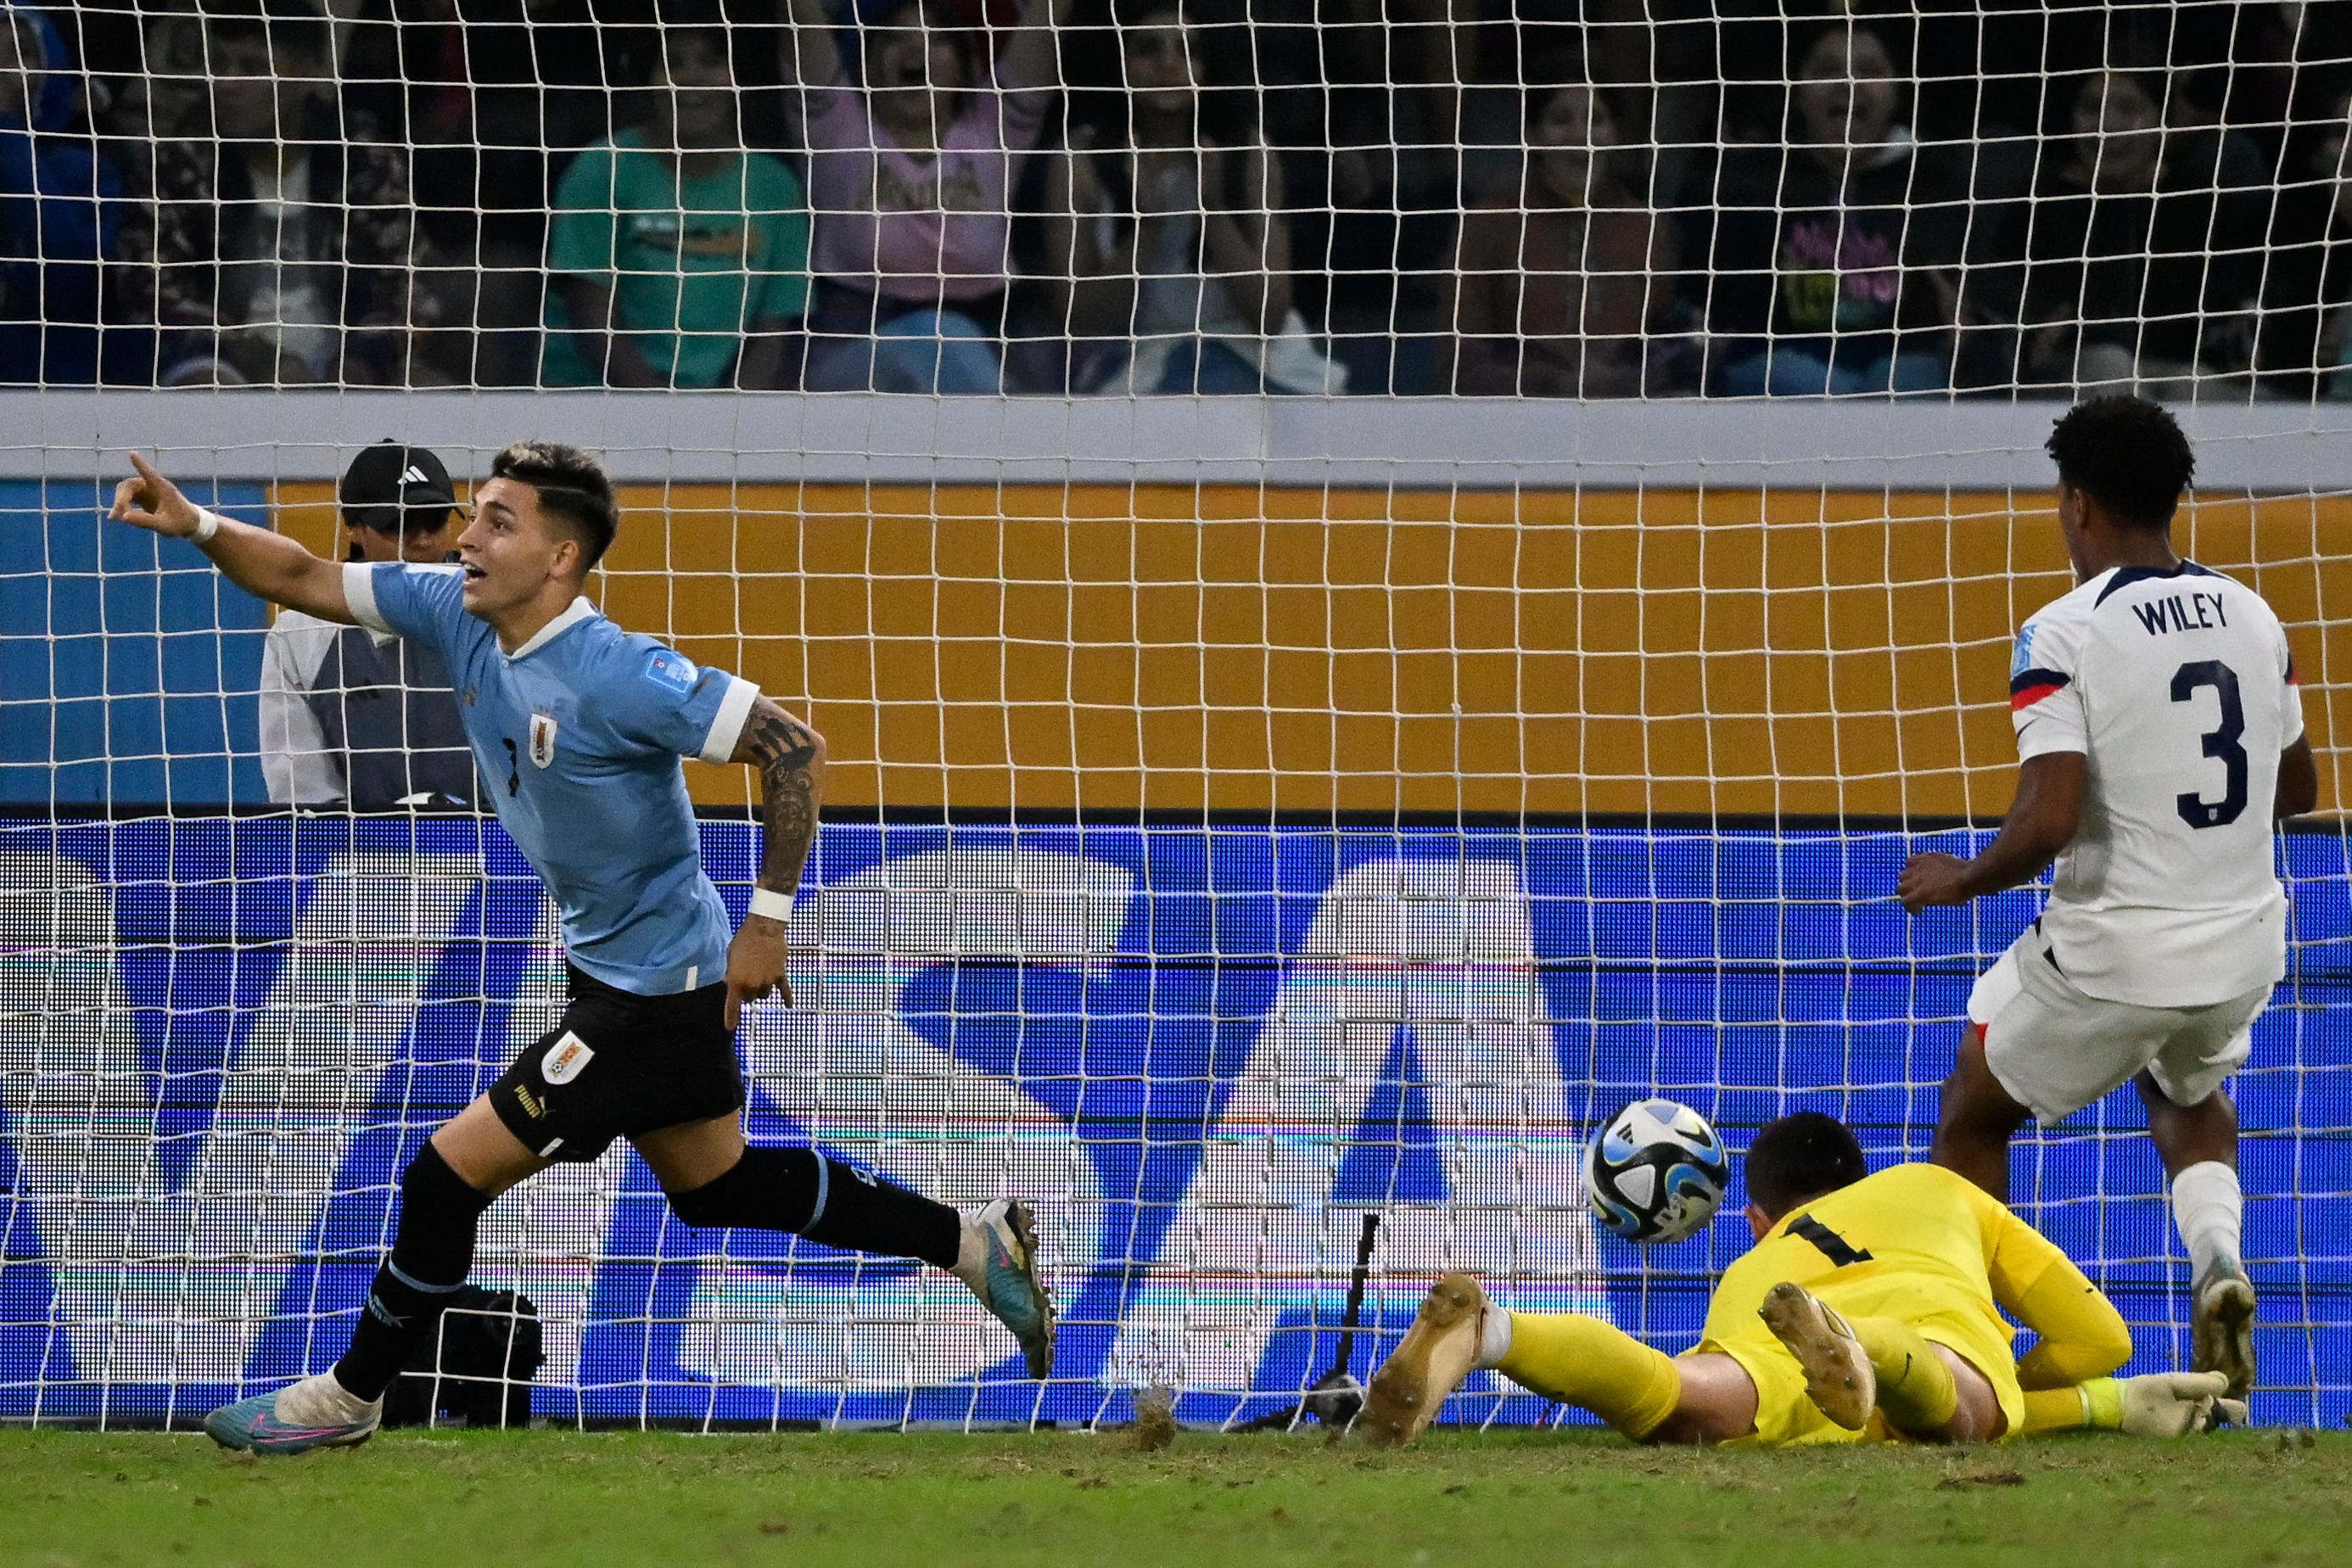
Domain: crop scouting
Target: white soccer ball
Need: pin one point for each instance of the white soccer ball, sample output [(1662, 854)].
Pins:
[(1656, 1173)]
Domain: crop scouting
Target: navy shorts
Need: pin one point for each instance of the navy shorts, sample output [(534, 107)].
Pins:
[(618, 1066)]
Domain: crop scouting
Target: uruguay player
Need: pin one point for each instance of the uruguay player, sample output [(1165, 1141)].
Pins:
[(2160, 734), (578, 728)]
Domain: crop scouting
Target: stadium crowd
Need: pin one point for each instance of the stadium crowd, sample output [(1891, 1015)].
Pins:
[(1099, 196)]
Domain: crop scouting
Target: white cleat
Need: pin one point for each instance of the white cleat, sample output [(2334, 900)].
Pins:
[(1436, 1353), (1839, 1378)]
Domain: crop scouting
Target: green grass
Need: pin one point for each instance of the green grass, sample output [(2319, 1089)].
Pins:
[(1543, 1500)]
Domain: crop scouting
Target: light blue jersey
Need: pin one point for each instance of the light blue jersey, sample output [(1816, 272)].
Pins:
[(578, 735)]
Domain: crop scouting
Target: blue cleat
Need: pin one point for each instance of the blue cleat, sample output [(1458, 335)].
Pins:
[(1007, 1282), (295, 1419)]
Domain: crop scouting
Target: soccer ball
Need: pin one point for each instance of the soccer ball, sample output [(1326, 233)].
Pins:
[(1657, 1172)]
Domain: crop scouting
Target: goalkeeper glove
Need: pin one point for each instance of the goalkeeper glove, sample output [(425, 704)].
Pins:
[(2155, 1404), (2168, 1403)]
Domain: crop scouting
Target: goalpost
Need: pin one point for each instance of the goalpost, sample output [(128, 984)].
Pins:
[(1245, 814)]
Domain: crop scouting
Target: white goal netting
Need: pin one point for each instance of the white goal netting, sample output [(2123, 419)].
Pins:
[(1378, 585)]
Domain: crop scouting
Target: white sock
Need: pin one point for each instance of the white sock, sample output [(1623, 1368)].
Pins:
[(971, 1253), (321, 1401), (1494, 1335), (2209, 1210)]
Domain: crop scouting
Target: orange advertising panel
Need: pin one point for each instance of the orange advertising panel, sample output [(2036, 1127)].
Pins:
[(1240, 648)]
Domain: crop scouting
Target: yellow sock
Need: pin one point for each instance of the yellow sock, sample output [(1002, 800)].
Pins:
[(1915, 1387), (1591, 1364)]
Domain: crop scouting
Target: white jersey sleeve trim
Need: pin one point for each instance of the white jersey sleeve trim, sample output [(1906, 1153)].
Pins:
[(359, 596), (2046, 705), (727, 724)]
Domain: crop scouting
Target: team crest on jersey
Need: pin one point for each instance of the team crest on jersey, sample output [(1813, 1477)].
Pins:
[(566, 1059), (542, 740), (2021, 659), (671, 671)]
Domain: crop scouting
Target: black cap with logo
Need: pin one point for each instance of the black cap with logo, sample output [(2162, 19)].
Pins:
[(390, 487)]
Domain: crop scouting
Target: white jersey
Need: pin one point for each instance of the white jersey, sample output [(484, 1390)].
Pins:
[(2177, 687)]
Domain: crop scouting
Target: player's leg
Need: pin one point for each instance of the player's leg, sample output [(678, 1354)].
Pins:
[(1715, 1402), (2194, 1125), (1567, 1356), (1855, 1365), (1977, 1120), (1976, 1416), (716, 1180), (1978, 1116), (443, 1192), (2037, 1046)]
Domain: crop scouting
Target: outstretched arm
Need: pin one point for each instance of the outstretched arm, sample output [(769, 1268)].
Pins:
[(2081, 1336), (266, 564), (790, 756), (2153, 1404), (2043, 821)]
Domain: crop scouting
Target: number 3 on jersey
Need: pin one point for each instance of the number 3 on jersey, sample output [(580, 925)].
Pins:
[(2222, 742)]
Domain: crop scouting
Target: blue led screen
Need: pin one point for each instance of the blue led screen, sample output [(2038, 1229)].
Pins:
[(1206, 1051)]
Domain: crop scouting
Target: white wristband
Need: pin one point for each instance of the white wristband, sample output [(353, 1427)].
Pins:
[(207, 524), (774, 905)]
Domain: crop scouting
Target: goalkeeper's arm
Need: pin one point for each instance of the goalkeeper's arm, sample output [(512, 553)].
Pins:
[(266, 564), (2154, 1404)]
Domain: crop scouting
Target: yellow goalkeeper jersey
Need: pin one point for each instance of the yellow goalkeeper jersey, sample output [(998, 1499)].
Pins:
[(1927, 1247)]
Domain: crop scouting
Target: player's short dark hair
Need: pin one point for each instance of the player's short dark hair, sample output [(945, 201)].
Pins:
[(1799, 1156), (573, 490), (2128, 454)]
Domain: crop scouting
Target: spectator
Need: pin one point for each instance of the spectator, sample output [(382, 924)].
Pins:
[(276, 241), (1176, 245), (57, 211), (356, 717), (2143, 258), (679, 259), (1830, 256), (1558, 283), (911, 176), (491, 98), (2306, 339), (489, 92)]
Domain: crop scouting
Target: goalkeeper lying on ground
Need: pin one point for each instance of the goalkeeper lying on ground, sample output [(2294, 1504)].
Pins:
[(1868, 1311)]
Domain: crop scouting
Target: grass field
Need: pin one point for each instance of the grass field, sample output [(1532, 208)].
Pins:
[(1545, 1499)]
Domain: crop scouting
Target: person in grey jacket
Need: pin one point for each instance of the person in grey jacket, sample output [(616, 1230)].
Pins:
[(360, 718)]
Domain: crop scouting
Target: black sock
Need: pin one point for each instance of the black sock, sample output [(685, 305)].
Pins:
[(801, 1191), (431, 1254)]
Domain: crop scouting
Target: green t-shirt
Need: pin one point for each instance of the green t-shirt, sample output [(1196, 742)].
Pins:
[(694, 263)]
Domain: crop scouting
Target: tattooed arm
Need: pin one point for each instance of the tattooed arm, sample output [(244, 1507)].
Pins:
[(791, 759)]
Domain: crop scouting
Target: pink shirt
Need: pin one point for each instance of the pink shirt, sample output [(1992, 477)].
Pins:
[(906, 227)]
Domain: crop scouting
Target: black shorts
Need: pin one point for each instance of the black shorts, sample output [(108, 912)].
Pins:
[(619, 1065)]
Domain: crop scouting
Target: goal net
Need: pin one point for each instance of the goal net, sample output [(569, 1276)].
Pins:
[(1377, 591)]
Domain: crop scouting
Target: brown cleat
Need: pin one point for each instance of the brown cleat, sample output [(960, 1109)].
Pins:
[(1838, 1375), (1437, 1352), (2221, 1327)]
